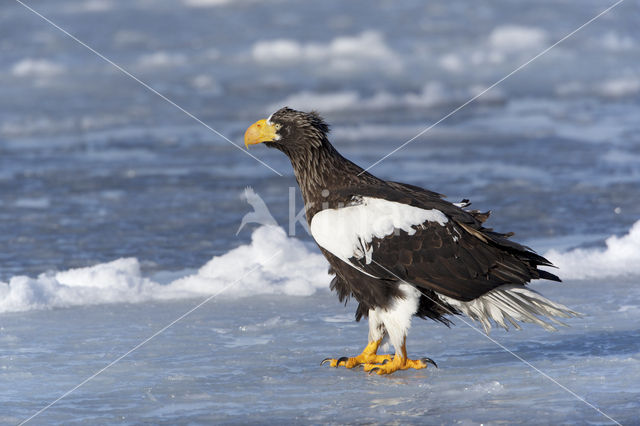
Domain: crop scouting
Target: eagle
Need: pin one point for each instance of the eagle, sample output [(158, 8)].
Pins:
[(401, 250)]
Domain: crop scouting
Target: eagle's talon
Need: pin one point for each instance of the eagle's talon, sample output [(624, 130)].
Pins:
[(342, 359), (426, 361), (375, 369), (324, 361), (385, 361)]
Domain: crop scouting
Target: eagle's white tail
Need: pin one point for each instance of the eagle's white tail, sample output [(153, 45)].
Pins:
[(510, 303)]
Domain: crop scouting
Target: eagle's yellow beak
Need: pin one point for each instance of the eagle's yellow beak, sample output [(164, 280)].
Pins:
[(258, 132)]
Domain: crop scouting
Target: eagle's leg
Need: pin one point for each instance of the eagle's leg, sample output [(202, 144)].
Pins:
[(370, 353), (368, 356), (396, 322), (400, 361)]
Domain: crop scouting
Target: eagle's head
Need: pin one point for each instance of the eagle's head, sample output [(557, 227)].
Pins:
[(289, 131)]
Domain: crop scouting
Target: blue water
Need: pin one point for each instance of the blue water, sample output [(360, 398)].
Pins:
[(94, 168)]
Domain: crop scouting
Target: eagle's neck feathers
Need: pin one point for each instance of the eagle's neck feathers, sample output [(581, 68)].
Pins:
[(320, 168)]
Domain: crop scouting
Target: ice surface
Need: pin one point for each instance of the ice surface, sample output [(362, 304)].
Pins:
[(256, 360)]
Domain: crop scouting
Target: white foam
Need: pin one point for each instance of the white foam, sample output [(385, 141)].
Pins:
[(30, 67), (272, 263), (620, 258)]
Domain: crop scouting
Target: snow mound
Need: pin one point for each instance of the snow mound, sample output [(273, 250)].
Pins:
[(272, 263), (620, 258)]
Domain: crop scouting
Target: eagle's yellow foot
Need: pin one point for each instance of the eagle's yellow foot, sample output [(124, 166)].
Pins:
[(368, 356), (350, 362), (399, 363)]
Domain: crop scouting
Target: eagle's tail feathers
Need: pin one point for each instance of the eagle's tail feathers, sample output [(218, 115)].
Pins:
[(509, 303)]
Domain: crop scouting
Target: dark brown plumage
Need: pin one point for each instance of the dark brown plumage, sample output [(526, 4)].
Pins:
[(450, 261)]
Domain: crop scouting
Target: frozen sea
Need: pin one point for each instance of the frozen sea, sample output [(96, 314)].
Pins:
[(120, 215)]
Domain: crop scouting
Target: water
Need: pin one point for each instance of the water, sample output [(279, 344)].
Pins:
[(119, 213)]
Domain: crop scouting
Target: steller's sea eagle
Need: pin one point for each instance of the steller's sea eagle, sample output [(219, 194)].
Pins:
[(401, 250)]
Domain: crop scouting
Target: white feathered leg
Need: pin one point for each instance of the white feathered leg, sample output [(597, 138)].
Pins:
[(397, 321)]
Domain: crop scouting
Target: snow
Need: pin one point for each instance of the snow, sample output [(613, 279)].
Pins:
[(451, 62), (620, 258), (92, 6), (206, 3), (161, 60), (618, 87), (306, 101), (30, 67), (623, 86), (33, 203), (431, 94), (613, 41), (515, 37), (348, 53), (262, 262)]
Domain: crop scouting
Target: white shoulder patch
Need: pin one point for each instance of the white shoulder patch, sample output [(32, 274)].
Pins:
[(348, 231)]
